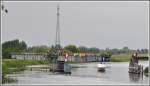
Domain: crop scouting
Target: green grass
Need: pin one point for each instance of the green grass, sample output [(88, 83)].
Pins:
[(10, 66), (13, 65), (120, 58), (72, 62), (126, 57)]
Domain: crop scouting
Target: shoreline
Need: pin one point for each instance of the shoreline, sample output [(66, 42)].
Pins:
[(10, 66)]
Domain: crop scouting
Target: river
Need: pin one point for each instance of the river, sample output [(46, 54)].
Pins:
[(116, 74)]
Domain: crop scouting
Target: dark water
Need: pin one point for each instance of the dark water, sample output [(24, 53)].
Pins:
[(116, 73)]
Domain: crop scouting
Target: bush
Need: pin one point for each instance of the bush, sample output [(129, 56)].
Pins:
[(146, 70), (143, 58), (13, 65)]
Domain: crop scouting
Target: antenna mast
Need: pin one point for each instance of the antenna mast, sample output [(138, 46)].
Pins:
[(57, 41)]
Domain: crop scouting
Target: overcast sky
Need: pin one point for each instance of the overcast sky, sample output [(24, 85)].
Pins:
[(101, 24)]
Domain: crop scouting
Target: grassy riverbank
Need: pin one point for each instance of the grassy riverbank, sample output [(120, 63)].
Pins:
[(126, 57), (10, 66)]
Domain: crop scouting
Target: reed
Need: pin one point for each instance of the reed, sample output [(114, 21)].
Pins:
[(10, 66)]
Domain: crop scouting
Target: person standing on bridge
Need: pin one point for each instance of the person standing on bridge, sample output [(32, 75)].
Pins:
[(134, 67), (134, 60)]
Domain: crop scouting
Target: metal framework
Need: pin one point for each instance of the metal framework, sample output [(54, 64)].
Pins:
[(57, 39)]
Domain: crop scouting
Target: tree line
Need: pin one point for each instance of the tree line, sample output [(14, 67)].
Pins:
[(17, 46), (13, 46)]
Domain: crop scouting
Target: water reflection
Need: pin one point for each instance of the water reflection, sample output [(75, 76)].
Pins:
[(135, 77), (116, 73)]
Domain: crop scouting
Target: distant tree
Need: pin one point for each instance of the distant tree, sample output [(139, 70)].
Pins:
[(115, 51), (52, 46), (94, 50), (9, 47), (23, 45), (138, 51), (38, 49), (106, 54), (143, 51), (83, 49), (125, 49), (52, 55), (72, 48)]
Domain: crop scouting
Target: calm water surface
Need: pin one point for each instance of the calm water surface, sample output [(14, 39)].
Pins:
[(116, 73)]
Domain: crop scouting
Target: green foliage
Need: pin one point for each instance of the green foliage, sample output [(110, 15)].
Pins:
[(146, 71), (72, 48), (83, 49), (17, 46), (9, 47), (106, 54), (12, 65), (38, 49), (52, 55), (143, 56), (67, 51), (126, 50), (93, 50)]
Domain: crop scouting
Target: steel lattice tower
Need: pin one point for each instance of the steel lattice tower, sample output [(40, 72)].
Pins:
[(57, 39)]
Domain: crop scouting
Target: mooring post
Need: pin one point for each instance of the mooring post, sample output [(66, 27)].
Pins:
[(142, 72)]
